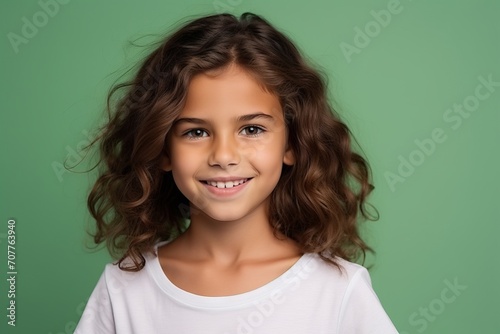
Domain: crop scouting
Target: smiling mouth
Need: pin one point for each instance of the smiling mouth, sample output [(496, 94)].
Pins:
[(226, 184)]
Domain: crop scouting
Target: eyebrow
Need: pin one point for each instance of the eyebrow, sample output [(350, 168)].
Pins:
[(243, 118)]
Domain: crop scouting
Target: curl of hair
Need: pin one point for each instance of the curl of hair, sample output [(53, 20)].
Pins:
[(135, 204)]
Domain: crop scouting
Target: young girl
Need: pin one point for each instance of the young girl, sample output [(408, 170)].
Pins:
[(228, 194)]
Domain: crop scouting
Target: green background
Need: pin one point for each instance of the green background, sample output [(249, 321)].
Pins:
[(440, 225)]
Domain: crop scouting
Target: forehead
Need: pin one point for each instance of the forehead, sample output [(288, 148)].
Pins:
[(229, 89)]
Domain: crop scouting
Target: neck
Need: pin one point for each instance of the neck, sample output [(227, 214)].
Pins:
[(229, 242)]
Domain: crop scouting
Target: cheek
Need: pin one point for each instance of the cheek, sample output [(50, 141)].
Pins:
[(184, 165), (269, 148), (268, 160), (184, 155)]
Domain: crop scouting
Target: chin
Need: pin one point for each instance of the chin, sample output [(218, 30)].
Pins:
[(226, 218)]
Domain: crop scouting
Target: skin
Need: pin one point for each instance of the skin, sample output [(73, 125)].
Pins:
[(229, 129)]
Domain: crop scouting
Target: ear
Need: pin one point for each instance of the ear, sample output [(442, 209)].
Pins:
[(165, 163), (289, 157)]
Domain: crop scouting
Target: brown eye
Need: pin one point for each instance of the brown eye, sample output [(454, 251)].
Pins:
[(196, 133), (252, 130)]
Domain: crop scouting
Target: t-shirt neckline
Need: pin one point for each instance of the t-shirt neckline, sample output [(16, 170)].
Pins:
[(275, 287)]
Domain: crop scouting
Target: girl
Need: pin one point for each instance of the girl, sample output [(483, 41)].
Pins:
[(228, 194)]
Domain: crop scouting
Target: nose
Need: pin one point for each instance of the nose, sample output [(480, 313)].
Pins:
[(224, 152)]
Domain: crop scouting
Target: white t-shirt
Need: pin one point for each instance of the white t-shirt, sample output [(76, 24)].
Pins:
[(312, 297)]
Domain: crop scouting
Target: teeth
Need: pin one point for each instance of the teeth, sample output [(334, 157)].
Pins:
[(228, 184)]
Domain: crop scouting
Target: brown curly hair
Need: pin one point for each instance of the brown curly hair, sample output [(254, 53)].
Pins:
[(136, 204)]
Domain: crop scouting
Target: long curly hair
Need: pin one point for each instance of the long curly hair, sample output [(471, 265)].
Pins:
[(317, 201)]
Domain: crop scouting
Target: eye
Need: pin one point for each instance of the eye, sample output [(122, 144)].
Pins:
[(252, 130), (196, 133)]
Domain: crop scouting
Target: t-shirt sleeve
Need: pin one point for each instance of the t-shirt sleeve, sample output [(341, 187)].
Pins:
[(97, 318), (361, 311)]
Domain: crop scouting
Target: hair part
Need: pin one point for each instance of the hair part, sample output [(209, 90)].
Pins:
[(136, 204)]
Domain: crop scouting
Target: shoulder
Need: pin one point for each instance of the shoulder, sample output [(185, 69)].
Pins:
[(347, 281), (354, 299), (345, 271), (323, 280), (116, 292), (117, 280)]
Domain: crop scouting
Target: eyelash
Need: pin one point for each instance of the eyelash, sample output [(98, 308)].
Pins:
[(259, 129), (190, 132), (190, 136)]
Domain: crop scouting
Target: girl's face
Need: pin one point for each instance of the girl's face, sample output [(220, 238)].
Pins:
[(227, 146)]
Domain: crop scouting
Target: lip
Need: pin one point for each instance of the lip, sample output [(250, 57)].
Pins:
[(226, 178), (226, 192)]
